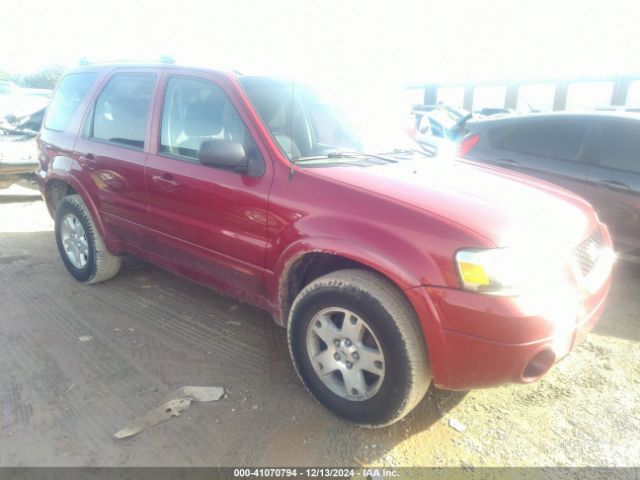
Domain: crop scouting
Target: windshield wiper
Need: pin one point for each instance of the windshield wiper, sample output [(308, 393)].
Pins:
[(355, 154), (351, 155), (406, 151)]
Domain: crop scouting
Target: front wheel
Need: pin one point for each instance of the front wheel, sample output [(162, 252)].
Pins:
[(358, 348)]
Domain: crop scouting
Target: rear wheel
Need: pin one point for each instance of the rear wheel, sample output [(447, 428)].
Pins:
[(357, 346), (80, 244)]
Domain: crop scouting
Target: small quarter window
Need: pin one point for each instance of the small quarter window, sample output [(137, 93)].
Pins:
[(71, 90)]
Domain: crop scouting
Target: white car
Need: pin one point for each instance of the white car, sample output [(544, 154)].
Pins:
[(438, 127)]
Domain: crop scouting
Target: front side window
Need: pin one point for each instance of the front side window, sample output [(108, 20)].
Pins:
[(554, 139), (196, 111), (620, 146), (121, 111), (70, 92)]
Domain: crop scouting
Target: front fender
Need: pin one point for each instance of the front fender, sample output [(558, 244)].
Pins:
[(388, 265), (427, 317)]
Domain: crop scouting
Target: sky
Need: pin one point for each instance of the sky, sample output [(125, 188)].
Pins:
[(367, 41)]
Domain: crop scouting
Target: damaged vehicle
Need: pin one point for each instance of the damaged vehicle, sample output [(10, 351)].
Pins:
[(17, 159), (18, 147), (391, 271), (20, 121), (439, 127)]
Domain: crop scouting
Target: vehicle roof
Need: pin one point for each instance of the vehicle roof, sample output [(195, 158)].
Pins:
[(552, 115)]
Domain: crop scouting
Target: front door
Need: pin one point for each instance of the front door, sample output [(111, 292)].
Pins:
[(211, 223)]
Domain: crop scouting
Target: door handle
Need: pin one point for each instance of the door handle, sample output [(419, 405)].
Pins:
[(88, 161), (504, 162), (614, 185), (165, 181)]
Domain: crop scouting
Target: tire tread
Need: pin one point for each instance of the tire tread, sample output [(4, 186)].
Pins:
[(107, 265), (393, 300)]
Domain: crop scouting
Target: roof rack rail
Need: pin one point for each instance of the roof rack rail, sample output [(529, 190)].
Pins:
[(166, 59)]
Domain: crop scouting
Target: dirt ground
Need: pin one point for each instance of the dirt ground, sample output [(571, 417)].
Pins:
[(147, 332)]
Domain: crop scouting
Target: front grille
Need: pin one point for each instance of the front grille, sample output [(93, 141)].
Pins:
[(588, 252)]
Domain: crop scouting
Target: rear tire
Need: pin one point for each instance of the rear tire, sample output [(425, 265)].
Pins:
[(357, 346), (80, 244)]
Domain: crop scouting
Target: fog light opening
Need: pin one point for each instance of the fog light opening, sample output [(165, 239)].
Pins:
[(538, 365)]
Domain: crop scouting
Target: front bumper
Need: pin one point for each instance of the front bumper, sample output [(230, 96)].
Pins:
[(477, 340)]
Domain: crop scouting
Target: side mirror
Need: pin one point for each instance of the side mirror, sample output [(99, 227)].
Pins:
[(224, 154)]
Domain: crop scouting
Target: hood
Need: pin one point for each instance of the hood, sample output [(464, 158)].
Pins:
[(509, 209)]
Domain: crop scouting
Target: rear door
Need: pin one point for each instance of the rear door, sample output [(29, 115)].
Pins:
[(111, 149), (210, 222), (614, 180)]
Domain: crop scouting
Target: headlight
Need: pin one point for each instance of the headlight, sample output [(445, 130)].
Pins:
[(510, 271)]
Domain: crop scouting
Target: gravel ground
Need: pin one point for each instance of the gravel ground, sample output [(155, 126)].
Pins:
[(147, 332)]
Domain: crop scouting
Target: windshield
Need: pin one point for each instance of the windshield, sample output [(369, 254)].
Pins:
[(307, 123)]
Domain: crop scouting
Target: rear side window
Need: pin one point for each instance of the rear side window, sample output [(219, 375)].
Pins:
[(70, 92), (120, 113), (620, 146), (555, 139)]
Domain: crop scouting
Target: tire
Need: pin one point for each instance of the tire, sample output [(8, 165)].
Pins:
[(89, 262), (388, 331)]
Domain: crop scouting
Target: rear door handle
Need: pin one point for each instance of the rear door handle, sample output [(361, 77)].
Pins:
[(88, 161), (504, 162), (614, 185), (165, 181)]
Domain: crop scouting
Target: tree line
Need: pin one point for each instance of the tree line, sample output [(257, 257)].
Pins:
[(46, 77)]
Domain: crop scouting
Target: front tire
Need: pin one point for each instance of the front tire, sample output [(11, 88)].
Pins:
[(358, 348), (80, 245)]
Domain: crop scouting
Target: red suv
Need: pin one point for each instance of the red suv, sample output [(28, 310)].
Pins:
[(388, 269)]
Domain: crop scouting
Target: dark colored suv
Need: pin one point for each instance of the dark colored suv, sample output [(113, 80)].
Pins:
[(596, 155), (389, 270)]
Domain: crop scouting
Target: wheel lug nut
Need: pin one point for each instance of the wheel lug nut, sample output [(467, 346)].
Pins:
[(336, 342), (349, 365), (336, 356), (347, 342), (355, 355)]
